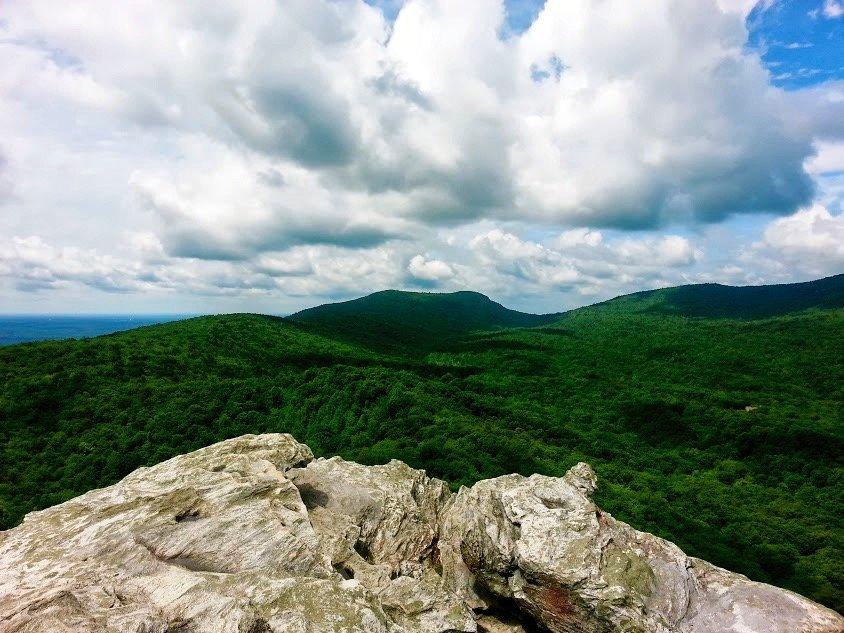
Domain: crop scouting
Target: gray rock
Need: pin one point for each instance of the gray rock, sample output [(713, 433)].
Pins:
[(252, 535), (380, 525), (493, 624), (396, 508), (540, 545)]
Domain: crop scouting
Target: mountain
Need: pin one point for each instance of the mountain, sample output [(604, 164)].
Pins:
[(724, 436), (395, 320), (734, 302), (417, 322), (255, 535)]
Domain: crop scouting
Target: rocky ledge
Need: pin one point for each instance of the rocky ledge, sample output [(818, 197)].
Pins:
[(254, 535)]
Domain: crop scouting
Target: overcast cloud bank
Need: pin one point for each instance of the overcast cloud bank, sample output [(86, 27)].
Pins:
[(233, 155)]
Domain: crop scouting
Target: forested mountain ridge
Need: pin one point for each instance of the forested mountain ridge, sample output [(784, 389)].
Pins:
[(394, 320), (723, 435), (417, 322), (734, 302)]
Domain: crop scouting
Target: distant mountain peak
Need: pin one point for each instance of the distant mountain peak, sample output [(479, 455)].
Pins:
[(715, 300), (396, 319)]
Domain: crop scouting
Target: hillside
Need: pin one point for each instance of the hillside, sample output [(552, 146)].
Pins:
[(393, 320), (734, 302), (723, 435)]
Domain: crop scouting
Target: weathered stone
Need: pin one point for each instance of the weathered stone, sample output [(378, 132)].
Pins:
[(396, 508), (380, 525), (252, 535), (494, 624), (540, 545)]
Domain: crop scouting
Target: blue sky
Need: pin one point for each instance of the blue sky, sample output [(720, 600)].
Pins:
[(265, 156), (521, 13), (800, 42)]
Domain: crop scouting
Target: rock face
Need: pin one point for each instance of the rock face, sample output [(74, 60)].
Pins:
[(540, 544), (252, 535)]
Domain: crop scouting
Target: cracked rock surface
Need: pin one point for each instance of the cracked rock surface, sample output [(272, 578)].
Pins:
[(253, 535)]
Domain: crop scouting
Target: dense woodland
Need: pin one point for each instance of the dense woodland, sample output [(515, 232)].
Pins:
[(723, 435)]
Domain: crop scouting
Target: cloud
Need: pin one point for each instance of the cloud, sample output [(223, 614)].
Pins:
[(5, 181), (833, 9), (429, 271), (583, 260), (35, 265), (829, 158), (433, 118), (578, 237), (231, 206), (671, 251), (816, 112), (321, 148), (32, 265), (744, 7), (636, 143), (812, 240), (805, 245), (579, 261)]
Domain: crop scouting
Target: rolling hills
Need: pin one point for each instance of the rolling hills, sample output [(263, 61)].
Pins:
[(413, 322), (725, 435), (734, 302)]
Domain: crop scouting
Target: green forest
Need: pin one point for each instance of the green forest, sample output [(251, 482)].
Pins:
[(719, 429)]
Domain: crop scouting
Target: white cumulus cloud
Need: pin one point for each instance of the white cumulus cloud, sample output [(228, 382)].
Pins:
[(429, 270), (583, 260), (812, 239), (318, 147)]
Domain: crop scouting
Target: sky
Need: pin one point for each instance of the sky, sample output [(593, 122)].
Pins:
[(175, 157)]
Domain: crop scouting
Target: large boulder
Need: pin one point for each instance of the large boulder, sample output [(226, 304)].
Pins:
[(396, 509), (252, 535), (220, 540), (380, 525), (539, 545)]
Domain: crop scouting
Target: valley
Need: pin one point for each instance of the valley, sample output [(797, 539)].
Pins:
[(720, 431)]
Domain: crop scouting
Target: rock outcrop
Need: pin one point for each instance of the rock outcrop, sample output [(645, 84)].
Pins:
[(540, 544), (253, 535)]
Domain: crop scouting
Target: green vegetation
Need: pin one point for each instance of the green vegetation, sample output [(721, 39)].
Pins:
[(723, 435), (413, 323), (732, 302)]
